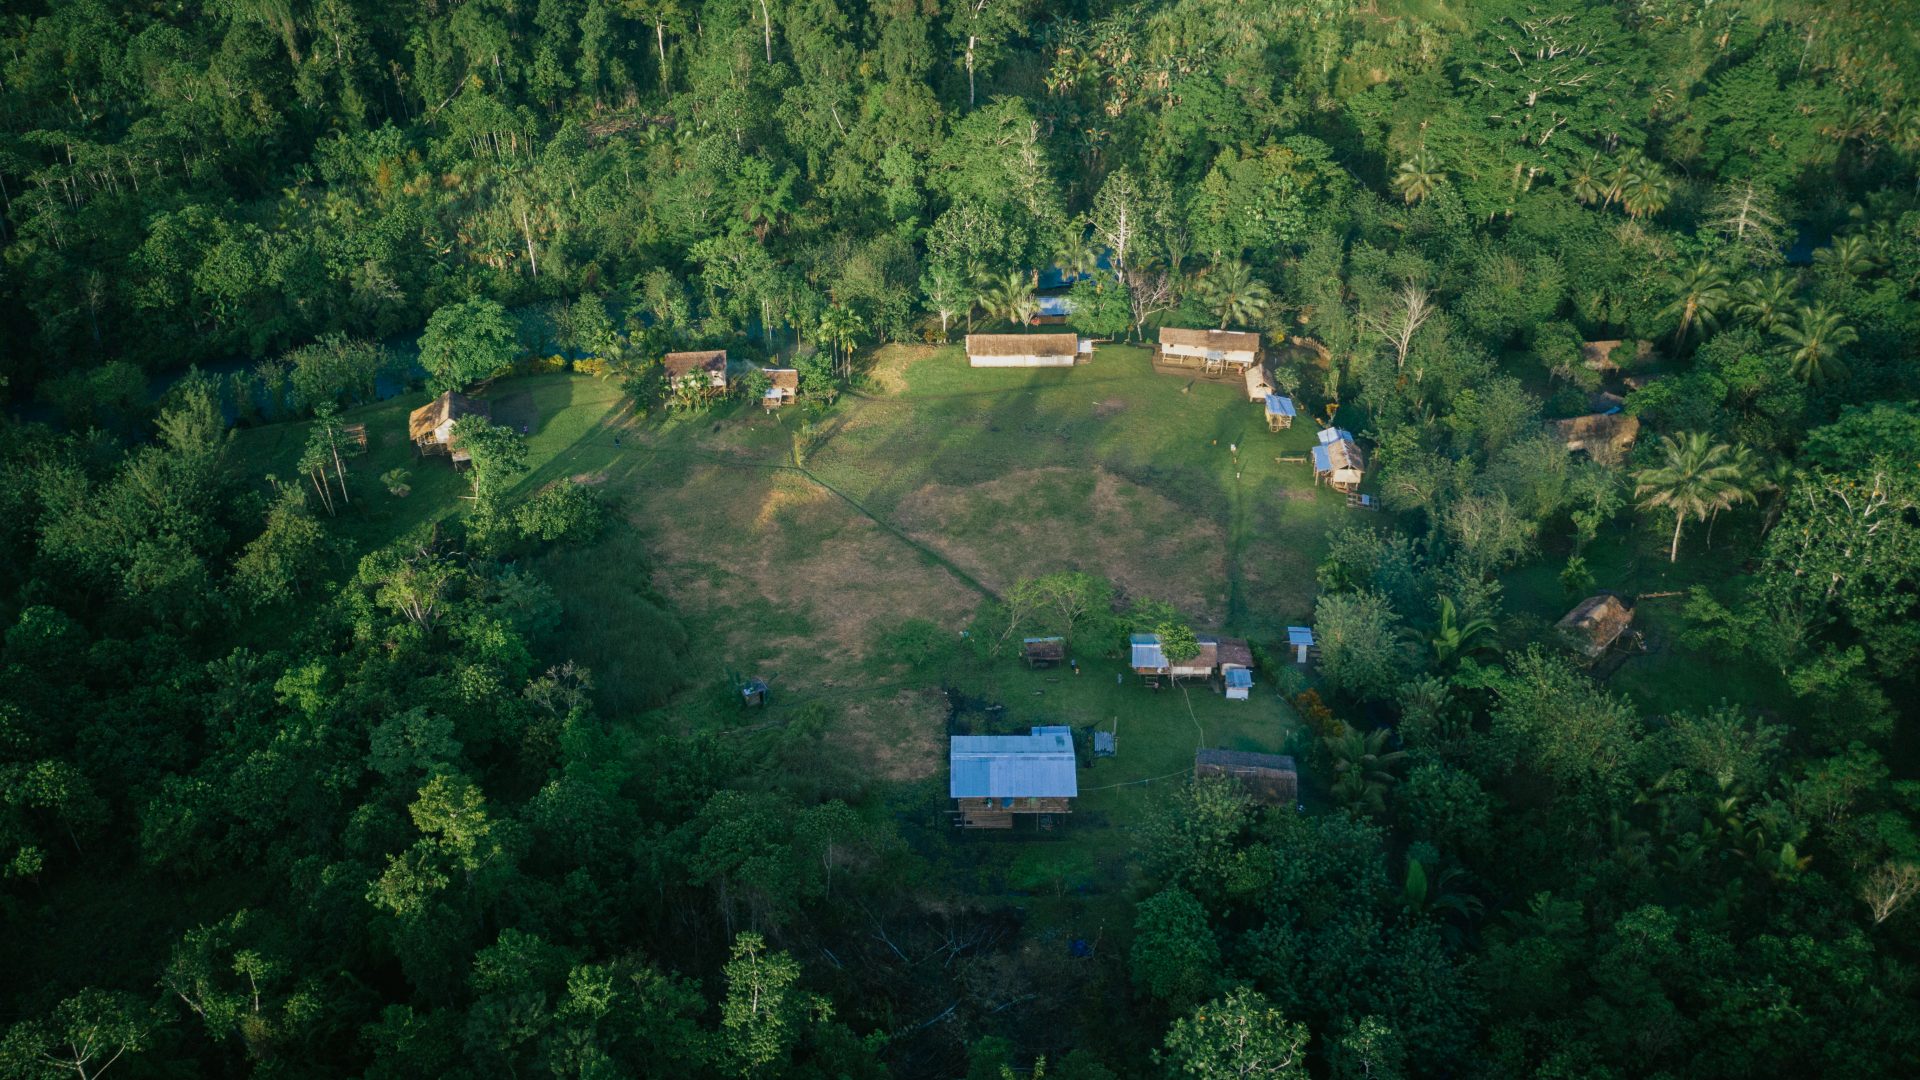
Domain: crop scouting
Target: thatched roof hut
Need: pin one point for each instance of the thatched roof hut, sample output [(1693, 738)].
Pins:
[(710, 364), (1596, 624), (1269, 778), (783, 385), (1604, 436), (1234, 348), (1044, 651), (431, 425), (1023, 350)]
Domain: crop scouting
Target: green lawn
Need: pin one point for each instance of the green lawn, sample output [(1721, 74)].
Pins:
[(790, 544)]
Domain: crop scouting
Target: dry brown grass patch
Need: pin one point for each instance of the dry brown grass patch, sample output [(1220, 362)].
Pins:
[(1016, 527)]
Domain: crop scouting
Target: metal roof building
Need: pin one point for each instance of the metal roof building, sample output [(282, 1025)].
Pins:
[(1147, 654), (1039, 765)]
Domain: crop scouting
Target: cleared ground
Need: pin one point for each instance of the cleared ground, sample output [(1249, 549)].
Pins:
[(792, 545)]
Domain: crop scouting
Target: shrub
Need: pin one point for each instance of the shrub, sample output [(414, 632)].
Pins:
[(564, 512)]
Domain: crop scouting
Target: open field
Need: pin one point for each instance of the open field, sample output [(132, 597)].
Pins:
[(791, 545)]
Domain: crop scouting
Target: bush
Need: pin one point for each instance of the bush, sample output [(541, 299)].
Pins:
[(567, 511)]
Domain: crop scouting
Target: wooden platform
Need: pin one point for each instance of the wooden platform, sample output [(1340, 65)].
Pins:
[(1187, 367)]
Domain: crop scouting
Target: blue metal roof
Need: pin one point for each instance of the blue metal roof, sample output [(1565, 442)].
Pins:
[(1039, 765), (1280, 406), (1299, 635), (1147, 652), (1239, 677), (1322, 460), (1334, 434), (1055, 305)]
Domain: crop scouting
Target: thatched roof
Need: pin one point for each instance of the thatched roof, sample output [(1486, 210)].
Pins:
[(1270, 778), (1023, 345), (784, 378), (1045, 648), (1233, 651), (424, 422), (1598, 355), (1612, 431), (1596, 623), (1211, 340), (682, 363)]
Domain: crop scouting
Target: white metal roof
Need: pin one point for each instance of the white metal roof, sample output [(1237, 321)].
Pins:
[(1039, 765)]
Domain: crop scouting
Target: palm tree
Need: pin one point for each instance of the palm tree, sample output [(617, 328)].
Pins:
[(1695, 477), (1703, 295), (1850, 255), (1454, 640), (840, 328), (1585, 182), (1646, 192), (1765, 302), (1011, 296), (1625, 174), (1363, 767), (1418, 176), (1814, 340), (1232, 292)]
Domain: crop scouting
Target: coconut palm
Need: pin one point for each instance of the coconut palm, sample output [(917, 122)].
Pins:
[(1703, 296), (1626, 172), (1813, 342), (1586, 182), (1766, 302), (1363, 768), (1695, 477), (1232, 292), (1418, 176), (1012, 297), (840, 328), (1646, 192), (1849, 256)]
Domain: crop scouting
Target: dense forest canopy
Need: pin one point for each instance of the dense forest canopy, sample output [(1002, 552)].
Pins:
[(293, 786)]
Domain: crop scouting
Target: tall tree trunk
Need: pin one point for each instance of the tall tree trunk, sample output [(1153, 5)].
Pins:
[(766, 26), (660, 39), (971, 41), (1673, 553)]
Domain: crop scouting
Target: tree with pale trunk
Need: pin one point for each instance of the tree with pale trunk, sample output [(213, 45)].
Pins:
[(1888, 887), (1695, 477), (1401, 319)]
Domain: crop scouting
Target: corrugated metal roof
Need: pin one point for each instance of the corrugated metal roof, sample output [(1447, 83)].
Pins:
[(1334, 434), (1299, 635), (1280, 406), (1146, 651), (1322, 461), (1039, 765), (1239, 677), (1055, 305)]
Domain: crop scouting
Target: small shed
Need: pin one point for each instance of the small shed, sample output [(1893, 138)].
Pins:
[(783, 385), (1337, 461), (1147, 658), (992, 778), (1258, 387), (1280, 412), (704, 371), (1025, 350), (1270, 778), (1210, 350), (1105, 743), (1239, 682), (1300, 640), (1603, 436), (1044, 652), (753, 693), (431, 425), (1052, 310), (1200, 664), (1594, 625)]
